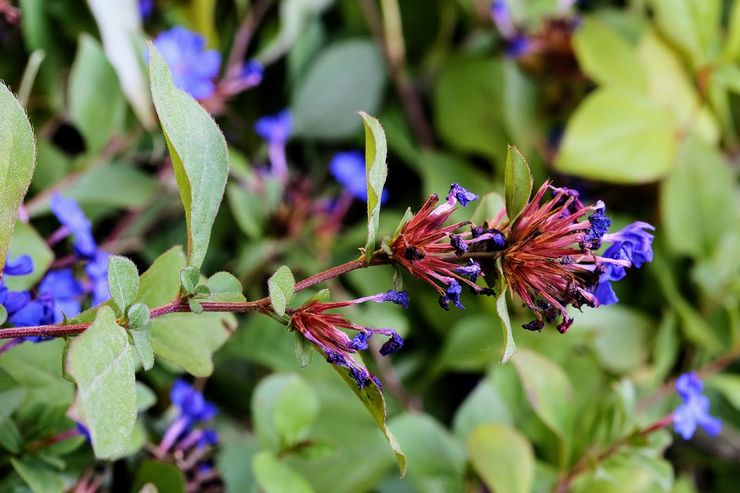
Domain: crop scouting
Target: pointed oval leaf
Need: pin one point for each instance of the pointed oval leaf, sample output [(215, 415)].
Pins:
[(517, 182), (274, 476), (17, 161), (102, 362), (198, 151), (376, 171), (281, 288), (503, 458), (123, 281)]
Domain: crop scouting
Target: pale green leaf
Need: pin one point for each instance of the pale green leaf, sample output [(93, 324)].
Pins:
[(503, 458), (728, 385), (123, 281), (489, 207), (281, 288), (472, 344), (143, 344), (503, 315), (295, 15), (273, 476), (17, 161), (328, 96), (607, 57), (102, 362), (618, 137), (550, 394), (692, 25), (436, 460), (484, 405), (284, 408), (120, 28), (160, 284), (96, 105), (198, 152), (376, 172), (517, 182), (189, 340), (225, 287)]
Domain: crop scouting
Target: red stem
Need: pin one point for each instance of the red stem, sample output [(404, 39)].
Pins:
[(260, 306)]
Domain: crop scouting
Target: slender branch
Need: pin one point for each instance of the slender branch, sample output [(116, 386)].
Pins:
[(586, 461), (244, 36), (262, 305)]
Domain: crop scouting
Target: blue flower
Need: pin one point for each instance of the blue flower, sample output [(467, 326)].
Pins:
[(252, 73), (68, 213), (275, 128), (361, 377), (13, 301), (146, 8), (694, 411), (398, 297), (209, 437), (360, 341), (336, 358), (636, 241), (452, 295), (458, 244), (37, 312), (65, 291), (471, 271), (392, 345), (517, 46), (348, 168), (193, 66), (462, 195), (97, 271), (191, 403), (19, 266)]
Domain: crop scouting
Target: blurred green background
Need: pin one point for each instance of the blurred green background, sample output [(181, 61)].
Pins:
[(636, 103)]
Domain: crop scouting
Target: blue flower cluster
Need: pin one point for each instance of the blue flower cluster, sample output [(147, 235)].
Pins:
[(694, 410), (348, 168), (275, 129), (191, 404), (60, 293), (193, 67), (634, 243)]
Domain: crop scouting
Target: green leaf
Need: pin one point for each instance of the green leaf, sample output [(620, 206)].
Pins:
[(38, 475), (728, 385), (189, 279), (328, 96), (503, 458), (11, 395), (503, 315), (376, 172), (3, 314), (28, 242), (517, 182), (372, 397), (102, 362), (490, 205), (484, 405), (284, 408), (696, 199), (17, 162), (618, 137), (607, 57), (692, 25), (281, 288), (123, 281), (96, 105), (120, 29), (189, 340), (143, 344), (160, 284), (471, 345), (198, 151), (274, 476), (302, 349), (225, 287), (145, 397), (467, 103), (138, 316), (436, 460), (295, 15), (550, 394), (167, 478)]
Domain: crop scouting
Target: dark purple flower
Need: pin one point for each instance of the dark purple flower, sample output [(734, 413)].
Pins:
[(471, 271), (458, 244), (193, 66), (360, 341), (694, 410), (252, 73), (392, 345), (599, 226), (517, 46), (348, 168), (146, 8), (97, 271), (454, 289), (361, 376), (463, 196)]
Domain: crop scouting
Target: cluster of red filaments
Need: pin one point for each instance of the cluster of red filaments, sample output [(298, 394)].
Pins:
[(423, 248), (550, 259)]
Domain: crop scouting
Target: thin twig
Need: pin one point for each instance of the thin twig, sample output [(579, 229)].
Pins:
[(244, 36)]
